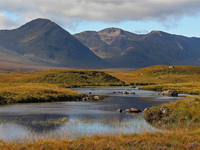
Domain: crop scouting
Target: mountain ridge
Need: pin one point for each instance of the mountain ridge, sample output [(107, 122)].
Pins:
[(126, 49)]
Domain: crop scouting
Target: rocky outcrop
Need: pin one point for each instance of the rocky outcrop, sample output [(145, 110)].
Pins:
[(170, 93)]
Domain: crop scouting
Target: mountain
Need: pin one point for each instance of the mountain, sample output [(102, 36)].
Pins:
[(125, 49), (42, 42)]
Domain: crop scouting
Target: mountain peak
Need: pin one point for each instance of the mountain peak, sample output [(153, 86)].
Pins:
[(112, 31), (36, 24)]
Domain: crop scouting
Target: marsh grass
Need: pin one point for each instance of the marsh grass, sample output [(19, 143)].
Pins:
[(35, 92)]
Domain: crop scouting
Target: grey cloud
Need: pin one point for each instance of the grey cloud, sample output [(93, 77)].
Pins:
[(67, 11)]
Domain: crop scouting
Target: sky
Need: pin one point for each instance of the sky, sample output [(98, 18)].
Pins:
[(181, 17)]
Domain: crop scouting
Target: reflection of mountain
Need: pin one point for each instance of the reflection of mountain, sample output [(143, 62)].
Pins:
[(36, 123)]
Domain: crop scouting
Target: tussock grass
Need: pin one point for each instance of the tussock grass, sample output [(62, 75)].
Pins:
[(177, 113)]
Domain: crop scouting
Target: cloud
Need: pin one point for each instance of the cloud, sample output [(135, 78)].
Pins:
[(70, 12)]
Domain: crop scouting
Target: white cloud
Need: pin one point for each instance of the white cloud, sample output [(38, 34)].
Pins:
[(69, 12)]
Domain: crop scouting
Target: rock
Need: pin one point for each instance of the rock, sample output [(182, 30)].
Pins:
[(127, 110), (119, 92), (170, 93), (171, 67), (146, 109), (119, 110), (132, 86), (96, 97), (125, 92), (114, 92), (132, 92), (84, 99), (164, 110), (90, 92), (134, 110)]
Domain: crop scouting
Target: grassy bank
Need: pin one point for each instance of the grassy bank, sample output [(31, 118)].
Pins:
[(184, 79), (35, 92), (186, 88), (50, 85)]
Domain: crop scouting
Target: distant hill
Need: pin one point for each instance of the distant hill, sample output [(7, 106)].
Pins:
[(42, 42), (126, 49)]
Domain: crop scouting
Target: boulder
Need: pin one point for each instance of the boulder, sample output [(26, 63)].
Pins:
[(96, 97), (127, 110), (125, 92), (132, 92), (119, 110), (134, 110), (170, 93)]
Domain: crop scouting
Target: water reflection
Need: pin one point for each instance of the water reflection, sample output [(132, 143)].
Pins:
[(74, 119)]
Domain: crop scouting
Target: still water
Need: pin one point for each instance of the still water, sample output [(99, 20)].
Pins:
[(76, 119)]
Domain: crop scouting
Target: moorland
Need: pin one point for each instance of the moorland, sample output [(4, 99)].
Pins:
[(180, 123)]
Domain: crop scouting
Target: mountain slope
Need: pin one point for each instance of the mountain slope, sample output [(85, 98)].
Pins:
[(42, 42), (125, 49)]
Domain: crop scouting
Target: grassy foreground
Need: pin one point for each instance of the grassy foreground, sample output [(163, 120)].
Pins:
[(179, 139)]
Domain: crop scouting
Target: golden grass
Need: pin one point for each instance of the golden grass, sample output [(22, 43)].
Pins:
[(176, 139), (35, 92), (160, 74)]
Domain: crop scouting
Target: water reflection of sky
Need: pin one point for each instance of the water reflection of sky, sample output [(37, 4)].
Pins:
[(83, 118)]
